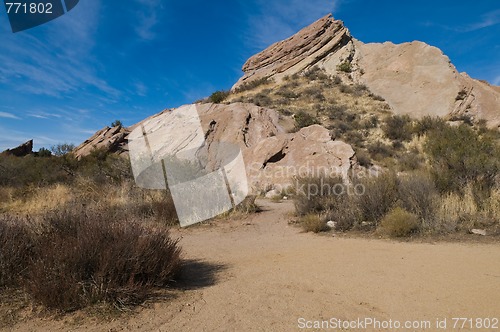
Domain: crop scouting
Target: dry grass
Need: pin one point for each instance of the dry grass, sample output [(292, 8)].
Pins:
[(313, 223)]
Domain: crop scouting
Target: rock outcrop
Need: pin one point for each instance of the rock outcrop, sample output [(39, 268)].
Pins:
[(311, 44), (271, 156), (414, 78), (112, 140), (20, 151)]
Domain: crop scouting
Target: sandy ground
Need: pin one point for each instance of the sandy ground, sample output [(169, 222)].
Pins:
[(261, 274)]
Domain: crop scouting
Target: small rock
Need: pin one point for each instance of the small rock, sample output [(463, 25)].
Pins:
[(285, 198), (272, 193), (332, 224), (478, 232)]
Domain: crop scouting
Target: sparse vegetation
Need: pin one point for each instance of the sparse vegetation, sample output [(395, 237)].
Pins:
[(345, 67), (218, 96), (117, 123), (303, 119), (399, 223)]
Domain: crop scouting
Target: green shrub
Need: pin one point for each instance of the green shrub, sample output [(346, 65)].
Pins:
[(399, 223), (117, 123), (254, 84), (345, 66), (62, 149), (460, 156), (379, 150), (303, 119), (218, 96), (398, 127), (428, 123)]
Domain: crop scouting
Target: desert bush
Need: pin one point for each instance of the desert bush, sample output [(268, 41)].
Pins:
[(83, 258), (460, 156), (346, 213), (399, 223), (317, 193), (261, 99), (363, 158), (417, 194), (410, 161), (303, 119), (248, 205), (379, 150), (398, 127), (316, 73), (456, 212), (426, 124), (253, 84), (17, 245), (218, 96), (379, 197), (345, 67), (287, 93), (344, 88), (369, 122), (359, 89), (62, 149), (313, 223)]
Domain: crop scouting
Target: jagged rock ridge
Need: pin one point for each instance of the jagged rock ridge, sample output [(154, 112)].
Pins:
[(414, 78)]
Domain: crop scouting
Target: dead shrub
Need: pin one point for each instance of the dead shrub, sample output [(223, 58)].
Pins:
[(380, 195), (85, 258), (17, 245), (399, 223)]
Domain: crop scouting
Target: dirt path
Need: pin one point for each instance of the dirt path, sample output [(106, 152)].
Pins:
[(260, 274)]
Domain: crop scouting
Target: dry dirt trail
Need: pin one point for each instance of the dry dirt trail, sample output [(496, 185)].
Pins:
[(260, 274)]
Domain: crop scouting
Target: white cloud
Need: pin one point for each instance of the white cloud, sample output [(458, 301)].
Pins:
[(147, 18), (487, 20), (280, 19), (9, 116), (58, 58)]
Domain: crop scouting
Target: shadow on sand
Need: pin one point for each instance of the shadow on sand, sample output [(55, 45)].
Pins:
[(195, 274)]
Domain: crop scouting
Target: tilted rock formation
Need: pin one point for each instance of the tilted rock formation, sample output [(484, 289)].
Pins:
[(414, 78), (107, 139), (271, 156), (20, 151), (308, 46)]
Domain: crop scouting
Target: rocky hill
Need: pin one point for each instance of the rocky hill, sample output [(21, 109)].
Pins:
[(414, 78), (323, 98)]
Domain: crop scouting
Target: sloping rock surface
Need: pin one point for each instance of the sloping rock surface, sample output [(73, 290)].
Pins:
[(111, 140), (21, 150), (414, 78)]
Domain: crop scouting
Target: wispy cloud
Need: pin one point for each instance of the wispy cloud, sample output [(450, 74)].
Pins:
[(57, 58), (487, 20), (9, 116), (147, 18), (496, 81), (277, 20)]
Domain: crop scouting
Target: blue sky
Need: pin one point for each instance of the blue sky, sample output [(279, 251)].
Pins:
[(107, 60)]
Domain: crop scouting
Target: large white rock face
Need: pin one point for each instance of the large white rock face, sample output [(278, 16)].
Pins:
[(271, 156)]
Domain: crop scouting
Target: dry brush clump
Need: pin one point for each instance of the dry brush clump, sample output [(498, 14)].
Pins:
[(75, 257)]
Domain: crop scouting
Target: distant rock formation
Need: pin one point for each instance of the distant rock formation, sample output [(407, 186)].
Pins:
[(20, 151), (112, 140), (414, 78)]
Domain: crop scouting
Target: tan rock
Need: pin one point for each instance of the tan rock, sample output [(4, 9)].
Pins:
[(108, 139)]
